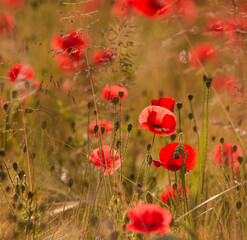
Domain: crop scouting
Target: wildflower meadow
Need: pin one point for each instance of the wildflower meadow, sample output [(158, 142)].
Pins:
[(123, 119)]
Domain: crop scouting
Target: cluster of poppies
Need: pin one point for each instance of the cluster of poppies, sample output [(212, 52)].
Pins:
[(70, 49)]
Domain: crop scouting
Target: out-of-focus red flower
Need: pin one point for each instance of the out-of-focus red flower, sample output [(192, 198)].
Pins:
[(103, 57), (226, 83), (101, 123), (186, 8), (122, 7), (20, 72), (13, 4), (70, 50), (165, 102), (108, 92), (6, 23), (157, 119), (203, 52), (226, 151), (220, 27), (168, 161), (174, 195), (153, 8), (108, 157), (149, 218)]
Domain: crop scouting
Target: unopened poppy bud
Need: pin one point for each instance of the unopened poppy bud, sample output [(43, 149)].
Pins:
[(228, 108), (2, 153), (30, 195), (89, 105), (179, 105), (70, 182), (22, 188), (120, 94), (173, 137), (117, 125), (15, 166), (115, 100), (129, 127), (149, 197), (221, 140), (240, 159), (96, 129), (195, 129), (213, 138), (44, 125), (238, 205), (94, 112), (102, 129), (149, 147), (5, 107), (175, 186), (176, 155), (21, 174), (208, 84), (150, 160), (14, 94), (190, 97), (118, 144), (190, 116), (29, 110), (234, 148), (2, 176)]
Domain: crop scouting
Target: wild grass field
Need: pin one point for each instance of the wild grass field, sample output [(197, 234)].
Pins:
[(123, 119)]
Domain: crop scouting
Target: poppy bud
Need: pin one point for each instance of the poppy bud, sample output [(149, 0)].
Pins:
[(190, 116), (2, 153), (179, 106), (118, 144), (208, 84), (89, 105), (96, 128), (102, 129), (190, 97), (120, 94), (21, 174), (149, 197), (176, 155), (22, 188), (173, 137), (228, 108), (175, 186), (94, 112), (150, 160), (30, 195), (2, 176), (117, 125), (14, 94), (15, 166), (44, 125), (240, 159), (129, 127), (5, 107), (115, 100), (234, 148), (70, 183), (15, 197), (221, 140), (238, 205), (149, 147), (195, 129), (213, 138)]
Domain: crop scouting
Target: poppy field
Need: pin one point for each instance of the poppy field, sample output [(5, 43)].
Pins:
[(123, 119)]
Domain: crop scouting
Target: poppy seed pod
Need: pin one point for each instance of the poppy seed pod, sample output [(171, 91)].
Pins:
[(190, 97)]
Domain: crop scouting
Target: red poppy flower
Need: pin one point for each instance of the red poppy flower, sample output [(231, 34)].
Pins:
[(229, 157), (158, 119), (6, 23), (204, 52), (149, 218), (225, 83), (106, 124), (168, 161), (164, 102), (153, 8), (122, 7), (220, 27), (174, 195), (109, 158), (20, 72), (70, 49), (13, 4), (108, 92), (103, 57)]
